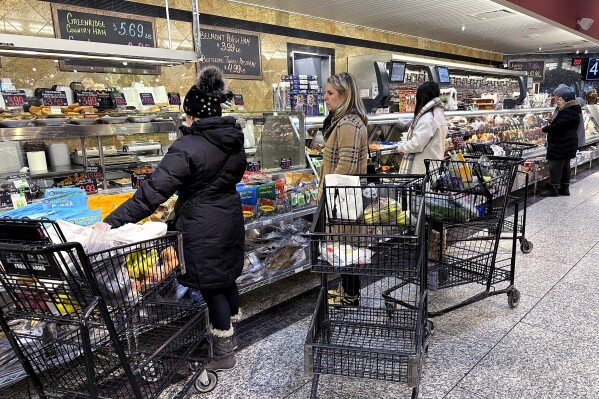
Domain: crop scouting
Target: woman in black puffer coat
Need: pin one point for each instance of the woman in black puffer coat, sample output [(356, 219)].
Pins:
[(204, 166), (562, 140)]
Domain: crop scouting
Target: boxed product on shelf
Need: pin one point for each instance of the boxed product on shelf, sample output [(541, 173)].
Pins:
[(248, 202), (266, 199)]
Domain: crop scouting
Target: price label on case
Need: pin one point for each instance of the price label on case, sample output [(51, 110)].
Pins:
[(146, 98), (94, 172), (174, 99), (54, 99), (89, 185), (118, 99), (14, 98), (87, 99)]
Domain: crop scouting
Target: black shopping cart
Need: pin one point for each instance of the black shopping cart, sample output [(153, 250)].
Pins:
[(512, 149), (105, 332), (465, 204), (369, 232)]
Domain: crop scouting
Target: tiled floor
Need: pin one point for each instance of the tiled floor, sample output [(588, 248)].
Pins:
[(544, 348)]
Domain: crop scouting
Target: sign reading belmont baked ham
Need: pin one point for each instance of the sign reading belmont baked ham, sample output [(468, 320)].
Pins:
[(234, 51)]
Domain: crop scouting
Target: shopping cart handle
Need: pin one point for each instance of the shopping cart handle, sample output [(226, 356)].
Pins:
[(90, 308)]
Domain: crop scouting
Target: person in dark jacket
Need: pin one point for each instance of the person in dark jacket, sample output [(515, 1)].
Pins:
[(562, 140), (204, 165)]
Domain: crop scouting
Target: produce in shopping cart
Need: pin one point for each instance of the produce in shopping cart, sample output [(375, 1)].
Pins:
[(387, 211), (338, 254), (141, 263)]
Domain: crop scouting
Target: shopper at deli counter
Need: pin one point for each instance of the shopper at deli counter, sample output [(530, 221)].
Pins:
[(346, 153), (426, 137), (204, 165), (562, 140)]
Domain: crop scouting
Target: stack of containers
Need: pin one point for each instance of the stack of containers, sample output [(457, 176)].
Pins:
[(306, 95)]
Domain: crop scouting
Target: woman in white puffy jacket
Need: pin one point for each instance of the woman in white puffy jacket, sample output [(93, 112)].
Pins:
[(426, 137)]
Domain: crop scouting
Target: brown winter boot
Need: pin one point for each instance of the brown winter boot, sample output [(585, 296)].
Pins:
[(234, 322), (222, 346)]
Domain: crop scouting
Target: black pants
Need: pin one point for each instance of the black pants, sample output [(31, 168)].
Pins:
[(222, 304), (559, 171), (350, 284)]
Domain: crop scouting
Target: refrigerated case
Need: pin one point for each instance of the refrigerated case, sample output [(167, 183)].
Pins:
[(467, 87), (478, 127)]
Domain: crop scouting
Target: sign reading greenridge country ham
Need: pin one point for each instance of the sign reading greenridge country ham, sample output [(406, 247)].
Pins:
[(236, 52)]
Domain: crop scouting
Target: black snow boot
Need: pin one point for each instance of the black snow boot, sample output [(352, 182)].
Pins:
[(564, 189)]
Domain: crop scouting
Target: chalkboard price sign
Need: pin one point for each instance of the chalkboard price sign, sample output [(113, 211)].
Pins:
[(146, 99), (236, 52), (54, 98), (77, 23), (14, 98), (536, 69)]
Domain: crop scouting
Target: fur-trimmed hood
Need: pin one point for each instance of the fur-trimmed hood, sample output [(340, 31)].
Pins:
[(573, 103)]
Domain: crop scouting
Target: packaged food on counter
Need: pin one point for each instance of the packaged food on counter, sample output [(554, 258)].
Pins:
[(107, 203), (255, 178)]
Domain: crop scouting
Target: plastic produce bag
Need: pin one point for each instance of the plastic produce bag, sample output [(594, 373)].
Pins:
[(112, 277), (337, 254)]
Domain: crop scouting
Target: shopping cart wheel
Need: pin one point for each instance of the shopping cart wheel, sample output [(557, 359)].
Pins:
[(153, 372), (390, 306), (431, 326), (513, 298), (206, 381), (526, 246)]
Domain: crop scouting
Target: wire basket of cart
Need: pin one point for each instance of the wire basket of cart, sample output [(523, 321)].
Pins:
[(465, 204), (512, 149), (93, 324), (368, 232)]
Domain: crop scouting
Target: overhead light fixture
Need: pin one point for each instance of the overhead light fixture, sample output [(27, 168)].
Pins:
[(540, 48), (586, 51), (463, 28), (61, 49), (585, 23), (577, 51)]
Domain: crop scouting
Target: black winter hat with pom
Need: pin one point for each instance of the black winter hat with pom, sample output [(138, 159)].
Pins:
[(204, 98)]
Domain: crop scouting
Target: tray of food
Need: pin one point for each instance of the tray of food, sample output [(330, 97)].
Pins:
[(82, 121), (141, 119), (14, 122), (49, 121), (112, 119)]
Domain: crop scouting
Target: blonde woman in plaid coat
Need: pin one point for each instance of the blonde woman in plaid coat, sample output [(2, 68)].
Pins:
[(345, 152)]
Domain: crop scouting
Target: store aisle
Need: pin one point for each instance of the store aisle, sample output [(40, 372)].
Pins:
[(543, 348)]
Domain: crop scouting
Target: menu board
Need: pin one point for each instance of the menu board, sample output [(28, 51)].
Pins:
[(536, 69), (78, 23), (236, 52)]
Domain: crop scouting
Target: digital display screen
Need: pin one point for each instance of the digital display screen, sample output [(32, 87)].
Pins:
[(592, 70), (576, 61), (443, 73), (397, 72)]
